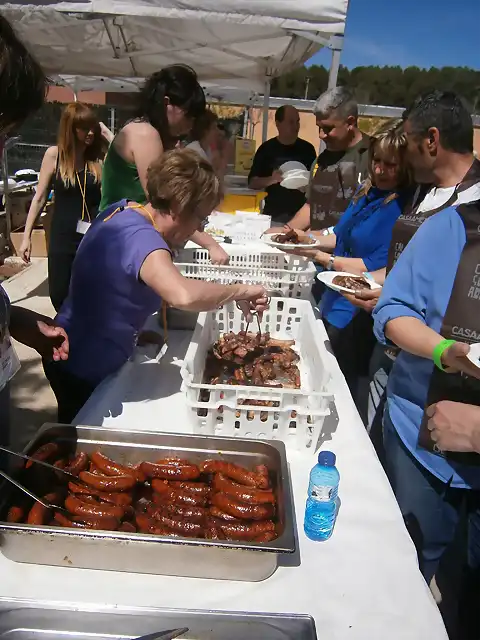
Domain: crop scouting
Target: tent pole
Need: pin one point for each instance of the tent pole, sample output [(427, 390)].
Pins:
[(266, 103), (335, 63)]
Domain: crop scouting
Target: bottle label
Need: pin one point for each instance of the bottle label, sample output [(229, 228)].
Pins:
[(321, 493)]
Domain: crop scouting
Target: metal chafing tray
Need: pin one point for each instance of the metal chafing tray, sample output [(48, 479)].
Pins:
[(145, 553), (24, 620)]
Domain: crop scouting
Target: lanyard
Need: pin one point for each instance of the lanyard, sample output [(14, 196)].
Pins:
[(83, 192)]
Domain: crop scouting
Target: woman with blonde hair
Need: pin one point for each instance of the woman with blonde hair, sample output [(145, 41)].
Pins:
[(124, 270), (359, 244), (73, 168)]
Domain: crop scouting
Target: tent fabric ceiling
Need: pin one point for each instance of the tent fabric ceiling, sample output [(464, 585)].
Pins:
[(226, 41)]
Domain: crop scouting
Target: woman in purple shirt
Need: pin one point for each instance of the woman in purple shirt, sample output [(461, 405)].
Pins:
[(124, 269)]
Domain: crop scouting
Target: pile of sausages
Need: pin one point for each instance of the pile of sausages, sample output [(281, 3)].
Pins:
[(213, 500)]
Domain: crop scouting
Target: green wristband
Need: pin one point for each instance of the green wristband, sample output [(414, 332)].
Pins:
[(438, 352)]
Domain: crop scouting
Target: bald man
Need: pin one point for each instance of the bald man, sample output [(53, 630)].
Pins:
[(281, 204)]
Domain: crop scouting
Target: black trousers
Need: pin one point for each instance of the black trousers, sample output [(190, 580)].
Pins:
[(59, 274), (71, 392), (353, 347)]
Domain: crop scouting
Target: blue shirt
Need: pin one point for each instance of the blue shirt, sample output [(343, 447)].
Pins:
[(364, 231), (419, 286), (108, 304)]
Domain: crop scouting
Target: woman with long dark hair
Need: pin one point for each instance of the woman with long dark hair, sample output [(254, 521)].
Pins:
[(74, 170), (168, 105)]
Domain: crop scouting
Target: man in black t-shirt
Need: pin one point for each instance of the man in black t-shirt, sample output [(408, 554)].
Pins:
[(281, 204)]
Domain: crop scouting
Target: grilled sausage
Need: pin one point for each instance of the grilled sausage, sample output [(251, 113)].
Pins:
[(194, 514), (242, 511), (108, 483), (218, 513), (242, 493), (193, 487), (182, 526), (44, 453), (79, 463), (235, 472), (170, 471), (102, 523), (244, 531), (164, 494), (122, 499), (79, 508), (111, 468), (39, 514), (16, 514)]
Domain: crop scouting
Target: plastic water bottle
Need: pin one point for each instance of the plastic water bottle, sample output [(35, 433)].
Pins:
[(321, 507)]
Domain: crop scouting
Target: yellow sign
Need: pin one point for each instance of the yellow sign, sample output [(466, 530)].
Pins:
[(244, 152)]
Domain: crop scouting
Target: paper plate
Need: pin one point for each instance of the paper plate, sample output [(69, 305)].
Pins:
[(267, 238), (327, 278), (295, 179), (292, 165), (474, 354)]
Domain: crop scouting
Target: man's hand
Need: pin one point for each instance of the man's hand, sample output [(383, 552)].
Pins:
[(366, 299), (276, 177), (53, 342), (218, 255), (454, 426), (454, 360)]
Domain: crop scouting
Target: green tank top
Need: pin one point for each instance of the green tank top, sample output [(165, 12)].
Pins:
[(120, 180)]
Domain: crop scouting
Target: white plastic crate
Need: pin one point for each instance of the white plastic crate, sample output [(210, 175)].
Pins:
[(219, 409), (281, 274)]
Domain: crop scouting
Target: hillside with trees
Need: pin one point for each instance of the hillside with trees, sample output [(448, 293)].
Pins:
[(392, 86)]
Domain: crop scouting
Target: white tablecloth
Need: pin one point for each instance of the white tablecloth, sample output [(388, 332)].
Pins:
[(362, 584)]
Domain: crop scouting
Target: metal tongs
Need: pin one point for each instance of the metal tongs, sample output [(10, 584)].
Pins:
[(164, 635), (48, 505), (255, 315)]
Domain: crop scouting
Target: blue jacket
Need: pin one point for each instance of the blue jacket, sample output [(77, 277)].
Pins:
[(419, 286), (364, 231)]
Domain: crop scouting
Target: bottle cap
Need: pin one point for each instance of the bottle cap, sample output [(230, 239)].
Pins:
[(326, 459)]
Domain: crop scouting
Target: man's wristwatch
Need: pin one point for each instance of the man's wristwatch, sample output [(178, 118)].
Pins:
[(330, 262)]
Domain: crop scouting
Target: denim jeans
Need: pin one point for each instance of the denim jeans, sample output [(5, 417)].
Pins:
[(432, 511)]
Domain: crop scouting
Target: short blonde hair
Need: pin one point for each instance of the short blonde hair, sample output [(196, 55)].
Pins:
[(394, 143), (180, 181)]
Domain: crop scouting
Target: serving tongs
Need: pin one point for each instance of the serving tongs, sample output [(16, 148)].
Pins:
[(164, 635), (47, 505), (69, 475), (255, 313)]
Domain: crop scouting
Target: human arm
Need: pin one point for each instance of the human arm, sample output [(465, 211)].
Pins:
[(38, 332), (218, 255), (301, 220), (262, 174), (47, 170), (160, 274), (454, 426), (107, 135)]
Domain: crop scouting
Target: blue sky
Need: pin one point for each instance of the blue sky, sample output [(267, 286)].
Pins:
[(425, 33)]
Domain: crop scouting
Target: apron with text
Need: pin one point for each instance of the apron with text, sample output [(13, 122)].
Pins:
[(331, 190), (411, 219), (461, 323)]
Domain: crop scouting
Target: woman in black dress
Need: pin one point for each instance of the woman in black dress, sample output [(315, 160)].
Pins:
[(73, 169)]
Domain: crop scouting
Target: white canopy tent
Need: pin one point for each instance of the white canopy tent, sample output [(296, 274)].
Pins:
[(235, 43)]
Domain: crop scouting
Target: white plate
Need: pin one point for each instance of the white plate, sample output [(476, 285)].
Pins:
[(295, 180), (292, 165), (267, 238), (327, 278), (474, 354)]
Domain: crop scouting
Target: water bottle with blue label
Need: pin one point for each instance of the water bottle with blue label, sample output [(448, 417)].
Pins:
[(321, 508)]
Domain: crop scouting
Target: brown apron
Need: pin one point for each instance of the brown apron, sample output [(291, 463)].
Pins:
[(410, 221), (332, 187), (461, 323)]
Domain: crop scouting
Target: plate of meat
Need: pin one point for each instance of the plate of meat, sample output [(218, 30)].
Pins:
[(290, 238), (347, 282), (474, 354)]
